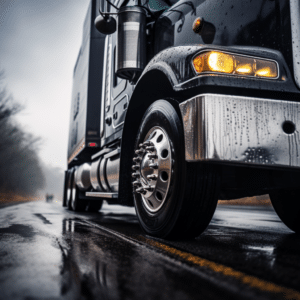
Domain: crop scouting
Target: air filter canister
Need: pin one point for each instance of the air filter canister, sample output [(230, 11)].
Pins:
[(131, 46)]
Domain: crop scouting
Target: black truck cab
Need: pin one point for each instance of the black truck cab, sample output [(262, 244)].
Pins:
[(177, 104)]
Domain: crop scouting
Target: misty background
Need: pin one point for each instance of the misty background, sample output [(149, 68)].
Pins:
[(39, 44)]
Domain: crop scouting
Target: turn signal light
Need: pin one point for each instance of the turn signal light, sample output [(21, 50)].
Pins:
[(219, 62)]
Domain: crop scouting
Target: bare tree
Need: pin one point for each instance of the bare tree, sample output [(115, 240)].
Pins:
[(20, 170)]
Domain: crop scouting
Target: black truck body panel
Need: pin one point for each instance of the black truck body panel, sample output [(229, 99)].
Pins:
[(86, 94), (260, 28), (259, 23)]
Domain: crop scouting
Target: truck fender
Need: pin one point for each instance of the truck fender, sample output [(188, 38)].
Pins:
[(177, 65), (153, 85), (156, 82)]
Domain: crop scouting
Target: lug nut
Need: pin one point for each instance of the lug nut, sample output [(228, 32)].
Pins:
[(136, 159), (149, 188), (135, 167), (153, 166), (140, 151), (136, 183), (152, 177), (141, 191), (135, 175), (147, 143), (150, 148)]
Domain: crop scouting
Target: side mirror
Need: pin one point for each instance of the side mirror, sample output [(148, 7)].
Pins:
[(106, 25)]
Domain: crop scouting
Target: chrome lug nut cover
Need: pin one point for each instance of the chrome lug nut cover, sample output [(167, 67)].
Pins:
[(141, 190), (150, 149), (154, 166), (153, 169), (135, 167), (152, 177), (136, 159), (135, 175)]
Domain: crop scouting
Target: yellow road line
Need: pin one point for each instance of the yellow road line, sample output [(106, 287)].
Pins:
[(249, 280)]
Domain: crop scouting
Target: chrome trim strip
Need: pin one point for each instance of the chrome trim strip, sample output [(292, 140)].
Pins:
[(113, 153), (242, 130), (295, 26), (102, 152), (102, 195), (78, 149), (103, 90), (108, 75)]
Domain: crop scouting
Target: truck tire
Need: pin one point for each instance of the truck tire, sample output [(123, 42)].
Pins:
[(64, 202), (286, 203), (173, 198), (94, 206), (77, 204), (69, 189)]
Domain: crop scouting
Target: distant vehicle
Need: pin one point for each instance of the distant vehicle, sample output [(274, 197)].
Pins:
[(180, 103), (49, 198)]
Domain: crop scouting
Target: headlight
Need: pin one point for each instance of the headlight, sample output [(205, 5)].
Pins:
[(219, 62)]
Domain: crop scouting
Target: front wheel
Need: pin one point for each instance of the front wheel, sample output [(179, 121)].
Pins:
[(287, 206), (173, 198)]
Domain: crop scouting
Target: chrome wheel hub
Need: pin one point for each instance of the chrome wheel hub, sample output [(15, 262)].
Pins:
[(153, 169)]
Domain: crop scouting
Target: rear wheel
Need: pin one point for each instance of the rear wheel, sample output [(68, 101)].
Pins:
[(287, 206), (77, 204), (94, 206), (69, 189), (64, 202), (173, 198)]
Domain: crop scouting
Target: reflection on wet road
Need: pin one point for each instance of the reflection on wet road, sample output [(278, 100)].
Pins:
[(47, 252)]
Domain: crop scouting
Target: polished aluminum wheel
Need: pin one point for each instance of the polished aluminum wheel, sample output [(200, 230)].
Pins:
[(153, 169)]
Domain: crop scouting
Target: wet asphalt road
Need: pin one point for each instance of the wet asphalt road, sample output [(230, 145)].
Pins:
[(47, 252)]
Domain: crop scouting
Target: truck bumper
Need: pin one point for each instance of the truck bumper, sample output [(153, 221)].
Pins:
[(241, 130)]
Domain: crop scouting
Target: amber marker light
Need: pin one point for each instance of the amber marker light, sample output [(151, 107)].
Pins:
[(219, 62), (266, 69), (244, 69), (197, 25)]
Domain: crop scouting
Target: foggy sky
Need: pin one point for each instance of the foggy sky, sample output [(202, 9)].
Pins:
[(39, 43)]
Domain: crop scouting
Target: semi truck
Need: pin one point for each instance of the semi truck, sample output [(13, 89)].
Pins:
[(179, 104)]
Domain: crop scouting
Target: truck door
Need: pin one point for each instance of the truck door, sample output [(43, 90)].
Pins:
[(114, 94)]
